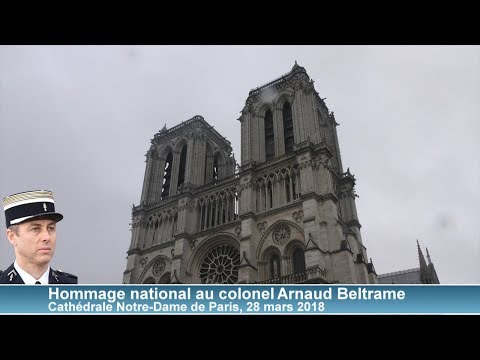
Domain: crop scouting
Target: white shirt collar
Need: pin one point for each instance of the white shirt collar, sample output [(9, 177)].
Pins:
[(29, 279)]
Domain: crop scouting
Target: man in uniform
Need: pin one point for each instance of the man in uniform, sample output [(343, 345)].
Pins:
[(31, 223)]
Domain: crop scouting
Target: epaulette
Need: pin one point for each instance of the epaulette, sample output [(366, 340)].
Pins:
[(64, 277), (67, 274)]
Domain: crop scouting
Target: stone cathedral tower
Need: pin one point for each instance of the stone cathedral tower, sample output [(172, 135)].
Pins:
[(286, 215)]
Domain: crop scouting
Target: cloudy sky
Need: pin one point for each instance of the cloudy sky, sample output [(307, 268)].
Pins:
[(78, 120)]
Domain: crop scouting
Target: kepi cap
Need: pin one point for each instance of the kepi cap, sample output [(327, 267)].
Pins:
[(28, 205)]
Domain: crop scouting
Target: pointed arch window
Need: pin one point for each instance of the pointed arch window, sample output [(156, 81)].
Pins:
[(269, 195), (269, 136), (165, 279), (287, 189), (290, 187), (181, 169), (298, 261), (167, 174), (288, 127), (215, 168)]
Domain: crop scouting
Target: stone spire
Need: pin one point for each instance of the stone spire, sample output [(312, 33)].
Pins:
[(428, 257), (423, 263)]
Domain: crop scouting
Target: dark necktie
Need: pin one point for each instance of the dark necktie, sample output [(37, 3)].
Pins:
[(38, 282)]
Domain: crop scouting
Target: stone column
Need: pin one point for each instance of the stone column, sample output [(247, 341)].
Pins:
[(247, 271), (146, 178), (278, 131), (189, 161)]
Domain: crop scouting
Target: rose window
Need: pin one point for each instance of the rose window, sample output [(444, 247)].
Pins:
[(158, 267), (220, 266), (281, 235)]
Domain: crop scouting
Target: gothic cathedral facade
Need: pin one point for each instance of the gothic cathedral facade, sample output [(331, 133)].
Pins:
[(286, 215)]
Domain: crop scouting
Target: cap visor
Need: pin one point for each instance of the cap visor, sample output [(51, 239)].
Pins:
[(53, 215)]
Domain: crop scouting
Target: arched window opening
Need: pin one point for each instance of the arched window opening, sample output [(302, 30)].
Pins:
[(209, 215), (288, 127), (298, 261), (215, 168), (290, 188), (294, 187), (287, 189), (269, 136), (213, 209), (181, 170), (202, 216), (155, 230), (165, 279), (269, 195), (167, 174)]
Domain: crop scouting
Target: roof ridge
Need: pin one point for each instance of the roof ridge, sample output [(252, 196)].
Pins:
[(399, 272)]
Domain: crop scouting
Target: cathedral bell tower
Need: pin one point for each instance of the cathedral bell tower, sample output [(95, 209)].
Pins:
[(174, 205), (286, 215), (297, 205)]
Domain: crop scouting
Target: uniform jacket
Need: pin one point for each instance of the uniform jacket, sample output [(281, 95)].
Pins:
[(10, 276)]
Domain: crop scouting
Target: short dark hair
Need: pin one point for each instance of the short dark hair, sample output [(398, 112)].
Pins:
[(14, 228)]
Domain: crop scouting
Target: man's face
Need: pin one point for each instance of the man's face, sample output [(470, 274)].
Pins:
[(34, 242)]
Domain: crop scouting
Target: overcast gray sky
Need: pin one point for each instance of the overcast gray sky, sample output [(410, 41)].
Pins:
[(78, 120)]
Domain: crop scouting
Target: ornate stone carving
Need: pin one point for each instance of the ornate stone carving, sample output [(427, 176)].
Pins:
[(347, 191), (192, 243), (281, 86), (246, 179), (238, 230), (143, 261), (262, 226), (298, 216), (197, 125), (183, 204), (281, 235), (325, 161)]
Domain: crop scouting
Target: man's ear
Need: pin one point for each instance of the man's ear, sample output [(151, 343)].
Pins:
[(11, 236)]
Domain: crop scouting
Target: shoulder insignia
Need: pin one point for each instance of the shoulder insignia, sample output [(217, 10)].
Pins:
[(67, 274), (54, 274), (11, 274)]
